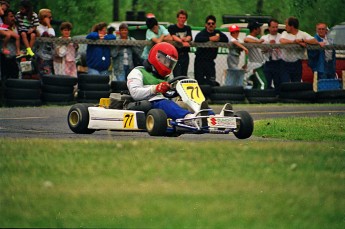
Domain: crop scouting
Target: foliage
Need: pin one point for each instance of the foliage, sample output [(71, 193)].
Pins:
[(83, 14)]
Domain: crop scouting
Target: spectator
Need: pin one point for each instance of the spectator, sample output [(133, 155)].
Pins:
[(64, 58), (292, 61), (255, 56), (182, 34), (123, 56), (235, 74), (45, 50), (8, 28), (9, 60), (27, 22), (204, 65), (272, 66), (155, 33), (98, 56), (322, 61)]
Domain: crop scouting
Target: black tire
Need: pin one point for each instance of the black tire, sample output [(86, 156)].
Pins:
[(24, 84), (95, 79), (226, 96), (206, 90), (93, 87), (331, 94), (282, 100), (57, 89), (228, 89), (93, 94), (19, 93), (22, 102), (59, 80), (260, 100), (156, 122), (118, 86), (78, 119), (222, 102), (303, 95), (260, 93), (296, 86), (52, 97), (245, 125)]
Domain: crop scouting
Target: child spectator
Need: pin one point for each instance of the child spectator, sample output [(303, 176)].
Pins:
[(9, 60), (7, 28), (235, 73), (45, 50), (27, 21), (64, 58)]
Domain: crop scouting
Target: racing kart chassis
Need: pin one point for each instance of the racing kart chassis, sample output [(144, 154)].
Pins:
[(87, 118)]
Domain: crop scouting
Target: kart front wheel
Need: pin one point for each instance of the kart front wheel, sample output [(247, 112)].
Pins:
[(245, 125), (78, 119), (156, 122)]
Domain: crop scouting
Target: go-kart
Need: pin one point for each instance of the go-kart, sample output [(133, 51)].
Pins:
[(87, 118)]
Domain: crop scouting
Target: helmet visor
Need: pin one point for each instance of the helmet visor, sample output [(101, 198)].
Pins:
[(166, 60)]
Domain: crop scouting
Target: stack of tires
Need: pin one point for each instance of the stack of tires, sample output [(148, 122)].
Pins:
[(58, 89), (297, 92), (92, 87), (118, 86), (227, 94), (206, 90), (258, 96), (330, 96), (21, 92)]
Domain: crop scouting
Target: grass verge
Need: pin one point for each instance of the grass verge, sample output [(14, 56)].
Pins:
[(172, 184), (325, 128)]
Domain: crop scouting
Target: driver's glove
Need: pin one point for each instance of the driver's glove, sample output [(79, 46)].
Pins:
[(162, 87)]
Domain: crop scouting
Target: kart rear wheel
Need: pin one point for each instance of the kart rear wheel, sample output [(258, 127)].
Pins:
[(156, 122), (78, 118), (245, 125)]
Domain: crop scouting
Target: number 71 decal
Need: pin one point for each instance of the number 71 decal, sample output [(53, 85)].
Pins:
[(193, 92), (128, 121)]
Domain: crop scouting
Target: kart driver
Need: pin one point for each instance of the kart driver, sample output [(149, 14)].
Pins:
[(149, 82)]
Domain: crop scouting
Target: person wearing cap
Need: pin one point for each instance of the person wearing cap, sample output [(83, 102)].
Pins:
[(255, 56), (272, 66), (122, 56), (204, 65), (292, 65), (322, 61), (155, 33), (235, 73), (181, 34)]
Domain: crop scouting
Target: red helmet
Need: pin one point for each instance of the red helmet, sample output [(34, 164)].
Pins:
[(233, 28), (163, 56)]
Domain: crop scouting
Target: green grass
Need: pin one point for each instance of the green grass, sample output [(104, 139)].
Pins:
[(331, 128), (172, 183)]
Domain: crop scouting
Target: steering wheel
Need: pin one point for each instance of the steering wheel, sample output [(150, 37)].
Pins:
[(172, 93)]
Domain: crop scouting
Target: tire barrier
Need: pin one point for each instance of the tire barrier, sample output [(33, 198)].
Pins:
[(58, 89), (92, 87), (229, 94), (20, 92), (118, 86), (297, 92)]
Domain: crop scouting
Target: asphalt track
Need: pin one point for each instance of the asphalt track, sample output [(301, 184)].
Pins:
[(51, 122)]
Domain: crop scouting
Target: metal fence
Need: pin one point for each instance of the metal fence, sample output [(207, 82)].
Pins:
[(12, 68), (220, 61)]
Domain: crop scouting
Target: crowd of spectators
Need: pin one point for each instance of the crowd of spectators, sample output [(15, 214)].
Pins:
[(278, 65)]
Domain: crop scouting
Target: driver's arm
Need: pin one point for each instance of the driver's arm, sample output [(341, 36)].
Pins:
[(137, 89)]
